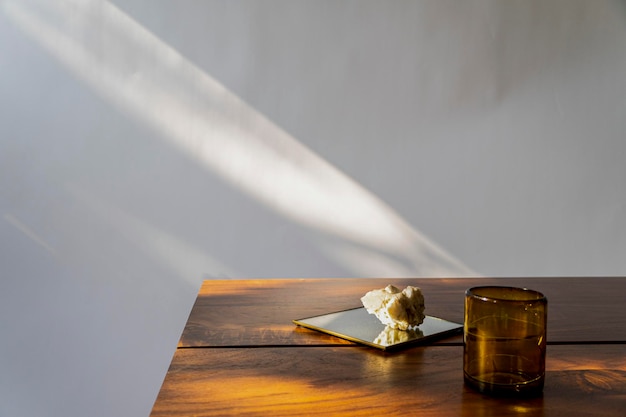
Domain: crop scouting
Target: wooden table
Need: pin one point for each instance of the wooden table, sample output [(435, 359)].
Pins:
[(240, 354)]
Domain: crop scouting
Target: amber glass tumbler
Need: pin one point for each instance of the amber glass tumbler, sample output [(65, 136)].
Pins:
[(505, 340)]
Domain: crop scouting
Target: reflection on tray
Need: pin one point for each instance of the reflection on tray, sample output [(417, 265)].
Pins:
[(390, 336)]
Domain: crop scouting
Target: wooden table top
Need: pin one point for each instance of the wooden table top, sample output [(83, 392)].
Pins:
[(240, 353)]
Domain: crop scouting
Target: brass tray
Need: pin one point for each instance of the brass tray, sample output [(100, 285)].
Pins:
[(357, 325)]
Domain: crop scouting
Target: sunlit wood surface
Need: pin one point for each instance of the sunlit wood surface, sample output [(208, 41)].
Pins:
[(259, 312), (241, 355), (424, 381)]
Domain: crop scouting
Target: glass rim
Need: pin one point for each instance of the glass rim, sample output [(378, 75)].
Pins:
[(530, 295)]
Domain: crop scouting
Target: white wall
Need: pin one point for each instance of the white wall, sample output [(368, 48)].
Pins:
[(145, 146)]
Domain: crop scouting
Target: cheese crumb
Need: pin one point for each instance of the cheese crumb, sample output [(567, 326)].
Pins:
[(394, 308)]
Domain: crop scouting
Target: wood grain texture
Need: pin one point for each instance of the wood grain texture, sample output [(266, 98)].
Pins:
[(581, 380), (259, 312)]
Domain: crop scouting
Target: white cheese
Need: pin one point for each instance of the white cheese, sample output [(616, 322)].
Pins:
[(394, 308)]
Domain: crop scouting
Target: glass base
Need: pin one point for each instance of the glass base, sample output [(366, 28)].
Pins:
[(506, 385)]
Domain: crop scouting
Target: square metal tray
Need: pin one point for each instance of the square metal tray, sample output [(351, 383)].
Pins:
[(357, 325)]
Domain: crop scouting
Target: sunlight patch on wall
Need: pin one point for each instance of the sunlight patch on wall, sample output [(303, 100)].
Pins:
[(181, 257), (140, 74), (30, 233)]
